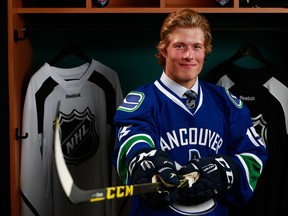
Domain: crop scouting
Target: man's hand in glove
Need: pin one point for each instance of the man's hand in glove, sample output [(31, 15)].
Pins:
[(155, 165), (216, 175)]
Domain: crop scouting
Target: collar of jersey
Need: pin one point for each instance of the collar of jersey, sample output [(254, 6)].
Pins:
[(172, 96), (175, 87)]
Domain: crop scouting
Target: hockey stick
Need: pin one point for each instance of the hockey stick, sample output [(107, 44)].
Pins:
[(77, 195)]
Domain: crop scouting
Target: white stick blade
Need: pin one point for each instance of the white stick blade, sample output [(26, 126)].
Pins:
[(63, 172)]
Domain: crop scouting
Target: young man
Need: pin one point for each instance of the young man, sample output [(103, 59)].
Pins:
[(180, 127)]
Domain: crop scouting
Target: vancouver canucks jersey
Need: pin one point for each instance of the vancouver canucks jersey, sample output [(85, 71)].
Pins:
[(155, 116), (265, 92), (86, 98)]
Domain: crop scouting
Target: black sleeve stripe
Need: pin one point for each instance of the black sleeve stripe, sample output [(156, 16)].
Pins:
[(40, 97), (110, 95), (30, 206)]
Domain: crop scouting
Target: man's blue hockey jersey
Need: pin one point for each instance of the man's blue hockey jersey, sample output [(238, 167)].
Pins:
[(155, 116)]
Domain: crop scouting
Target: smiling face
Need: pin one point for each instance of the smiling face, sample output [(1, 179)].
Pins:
[(185, 55)]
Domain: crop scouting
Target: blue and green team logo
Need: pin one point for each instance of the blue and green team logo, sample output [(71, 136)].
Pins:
[(238, 103), (132, 102)]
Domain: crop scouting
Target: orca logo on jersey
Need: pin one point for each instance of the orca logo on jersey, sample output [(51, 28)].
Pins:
[(238, 103), (132, 101), (79, 139)]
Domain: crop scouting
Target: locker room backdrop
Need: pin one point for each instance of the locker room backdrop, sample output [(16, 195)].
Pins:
[(130, 48)]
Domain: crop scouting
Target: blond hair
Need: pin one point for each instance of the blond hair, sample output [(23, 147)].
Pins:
[(183, 18)]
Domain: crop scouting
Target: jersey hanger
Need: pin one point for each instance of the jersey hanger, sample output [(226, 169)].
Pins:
[(249, 49), (71, 49)]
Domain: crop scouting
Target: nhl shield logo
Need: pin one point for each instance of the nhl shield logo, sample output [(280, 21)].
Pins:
[(261, 126), (78, 136)]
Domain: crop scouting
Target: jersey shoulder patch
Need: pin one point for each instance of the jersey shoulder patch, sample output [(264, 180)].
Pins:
[(132, 101), (236, 101)]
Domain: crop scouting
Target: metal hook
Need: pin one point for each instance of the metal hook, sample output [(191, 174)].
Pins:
[(16, 35), (18, 136)]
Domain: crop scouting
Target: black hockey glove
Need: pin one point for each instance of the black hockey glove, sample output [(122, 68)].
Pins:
[(154, 165), (216, 175)]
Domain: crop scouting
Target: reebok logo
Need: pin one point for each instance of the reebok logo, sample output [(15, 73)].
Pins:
[(248, 98), (209, 168), (68, 96)]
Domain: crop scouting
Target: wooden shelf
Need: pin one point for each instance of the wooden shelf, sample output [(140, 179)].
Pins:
[(147, 6), (144, 10)]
